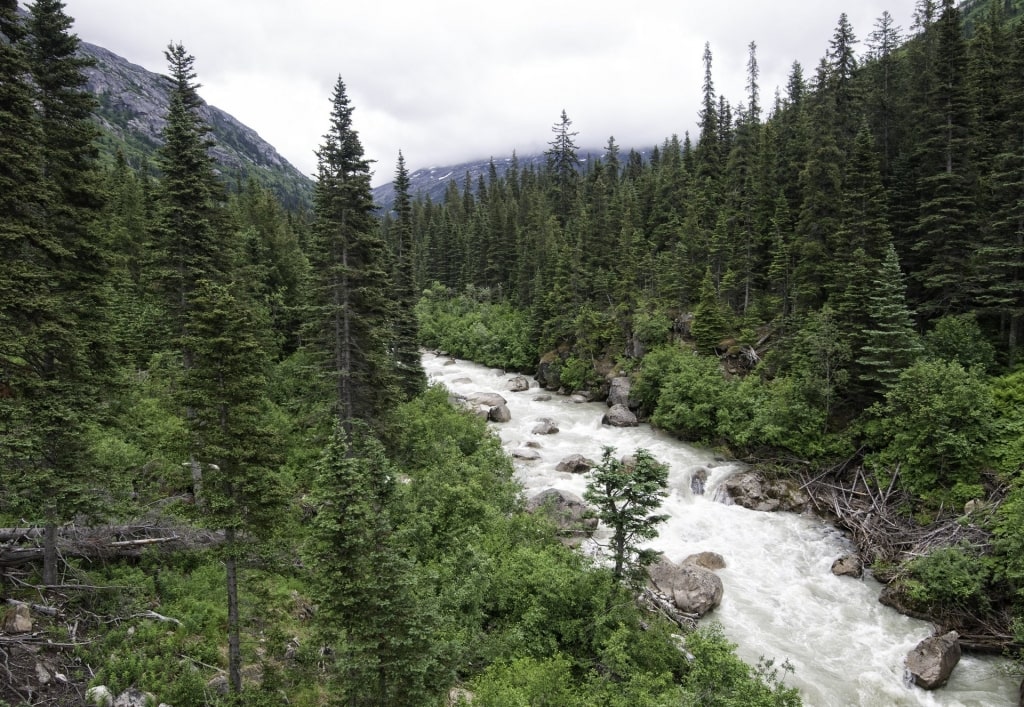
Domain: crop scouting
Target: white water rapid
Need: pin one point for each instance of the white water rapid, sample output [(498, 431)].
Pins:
[(781, 599)]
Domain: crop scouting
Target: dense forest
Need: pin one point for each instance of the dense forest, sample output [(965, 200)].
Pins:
[(828, 284), (226, 480)]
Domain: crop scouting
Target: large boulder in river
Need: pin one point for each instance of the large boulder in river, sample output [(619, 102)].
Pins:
[(619, 416), (933, 659), (576, 464), (693, 589), (752, 490), (499, 413), (565, 509), (519, 384), (618, 392), (707, 560), (848, 566), (489, 399), (545, 426)]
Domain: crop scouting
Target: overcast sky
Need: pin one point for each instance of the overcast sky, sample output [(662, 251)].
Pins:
[(452, 80)]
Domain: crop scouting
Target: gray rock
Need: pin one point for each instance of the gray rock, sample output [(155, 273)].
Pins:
[(18, 619), (707, 560), (519, 384), (618, 393), (134, 697), (579, 398), (848, 566), (525, 454), (752, 490), (567, 510), (489, 399), (499, 413), (99, 696), (619, 416), (698, 482), (542, 398), (545, 426), (933, 659), (576, 464), (693, 589)]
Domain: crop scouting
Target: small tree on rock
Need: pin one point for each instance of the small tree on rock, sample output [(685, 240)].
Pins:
[(626, 495)]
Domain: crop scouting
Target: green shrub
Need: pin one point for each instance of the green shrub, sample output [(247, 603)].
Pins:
[(948, 578)]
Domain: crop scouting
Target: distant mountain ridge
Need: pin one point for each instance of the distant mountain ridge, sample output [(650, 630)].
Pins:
[(433, 181), (133, 102)]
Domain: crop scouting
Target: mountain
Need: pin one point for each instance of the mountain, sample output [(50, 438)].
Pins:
[(132, 105), (433, 181)]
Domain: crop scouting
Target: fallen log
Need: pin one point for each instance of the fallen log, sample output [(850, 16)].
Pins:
[(20, 546)]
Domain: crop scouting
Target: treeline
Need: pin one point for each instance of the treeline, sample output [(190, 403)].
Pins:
[(177, 356), (831, 279)]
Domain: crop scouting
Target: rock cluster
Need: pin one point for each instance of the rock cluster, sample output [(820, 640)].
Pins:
[(752, 490)]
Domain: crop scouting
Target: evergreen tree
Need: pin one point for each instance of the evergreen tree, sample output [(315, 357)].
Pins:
[(55, 363), (944, 225), (709, 321), (190, 239), (709, 151), (224, 391), (371, 612), (409, 368), (563, 165), (891, 342), (881, 102), (821, 187), (352, 292), (627, 495)]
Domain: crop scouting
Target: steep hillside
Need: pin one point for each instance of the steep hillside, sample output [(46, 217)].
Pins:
[(132, 105)]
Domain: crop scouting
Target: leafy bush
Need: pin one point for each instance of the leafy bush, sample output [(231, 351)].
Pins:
[(935, 424), (691, 396), (493, 334), (948, 578)]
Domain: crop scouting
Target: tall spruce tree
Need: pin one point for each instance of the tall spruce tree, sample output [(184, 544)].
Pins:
[(563, 164), (371, 613), (190, 240), (891, 344), (405, 345), (353, 306), (55, 356), (224, 390)]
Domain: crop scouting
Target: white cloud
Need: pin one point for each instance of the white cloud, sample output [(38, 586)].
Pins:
[(451, 80)]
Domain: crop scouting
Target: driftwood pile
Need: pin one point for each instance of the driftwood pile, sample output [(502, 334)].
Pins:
[(887, 536)]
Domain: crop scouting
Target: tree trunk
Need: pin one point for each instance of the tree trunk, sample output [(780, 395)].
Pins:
[(50, 554), (234, 644)]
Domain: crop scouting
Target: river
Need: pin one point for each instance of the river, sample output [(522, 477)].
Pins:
[(781, 599)]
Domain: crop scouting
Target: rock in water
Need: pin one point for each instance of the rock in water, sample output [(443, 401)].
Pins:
[(519, 384), (933, 659), (693, 589), (848, 566), (499, 413), (619, 416), (545, 426), (576, 464), (707, 560)]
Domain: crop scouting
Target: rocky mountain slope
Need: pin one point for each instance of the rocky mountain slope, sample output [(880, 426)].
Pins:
[(132, 105)]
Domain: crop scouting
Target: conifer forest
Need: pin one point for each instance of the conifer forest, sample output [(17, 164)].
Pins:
[(225, 478)]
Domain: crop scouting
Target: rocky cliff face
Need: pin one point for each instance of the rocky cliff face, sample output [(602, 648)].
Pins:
[(132, 105)]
